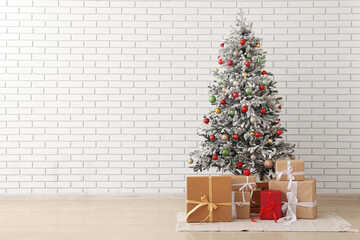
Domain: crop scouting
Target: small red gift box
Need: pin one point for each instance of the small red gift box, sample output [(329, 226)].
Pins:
[(270, 206)]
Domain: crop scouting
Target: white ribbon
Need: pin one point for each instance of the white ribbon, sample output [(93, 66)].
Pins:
[(234, 204), (288, 173), (290, 206), (243, 188)]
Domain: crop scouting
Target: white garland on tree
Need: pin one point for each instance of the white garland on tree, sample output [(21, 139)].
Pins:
[(255, 90)]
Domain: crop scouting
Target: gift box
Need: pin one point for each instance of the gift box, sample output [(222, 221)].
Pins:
[(208, 199), (246, 183), (302, 194), (241, 205), (270, 205), (289, 170)]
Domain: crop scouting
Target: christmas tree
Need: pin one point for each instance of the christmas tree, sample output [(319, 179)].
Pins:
[(242, 134)]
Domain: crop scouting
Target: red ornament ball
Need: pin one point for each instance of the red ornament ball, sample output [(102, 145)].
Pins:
[(264, 72), (279, 132), (223, 102), (235, 94), (244, 109), (242, 42), (262, 111), (220, 61), (246, 172), (206, 120), (257, 134), (212, 137), (236, 137), (279, 107), (277, 121), (215, 157), (218, 57), (247, 63), (222, 45), (239, 164), (230, 63), (262, 87)]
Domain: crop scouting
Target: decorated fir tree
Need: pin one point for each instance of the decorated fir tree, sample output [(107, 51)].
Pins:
[(242, 133)]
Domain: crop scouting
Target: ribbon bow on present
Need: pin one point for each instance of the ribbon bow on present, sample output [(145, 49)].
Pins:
[(204, 201), (289, 173), (210, 207), (244, 186)]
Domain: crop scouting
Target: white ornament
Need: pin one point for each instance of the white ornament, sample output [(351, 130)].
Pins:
[(253, 157), (236, 53), (253, 119), (236, 83)]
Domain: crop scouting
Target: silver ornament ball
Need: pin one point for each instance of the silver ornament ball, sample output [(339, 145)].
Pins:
[(253, 119)]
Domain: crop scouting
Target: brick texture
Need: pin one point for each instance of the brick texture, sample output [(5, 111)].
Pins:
[(104, 97)]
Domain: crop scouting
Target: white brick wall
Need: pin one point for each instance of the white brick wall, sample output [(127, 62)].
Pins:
[(105, 96)]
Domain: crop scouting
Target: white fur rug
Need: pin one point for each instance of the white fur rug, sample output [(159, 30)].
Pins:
[(325, 222)]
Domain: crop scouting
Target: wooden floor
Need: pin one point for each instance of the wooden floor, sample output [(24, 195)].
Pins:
[(148, 219)]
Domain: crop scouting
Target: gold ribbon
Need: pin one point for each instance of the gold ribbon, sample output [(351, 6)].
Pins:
[(205, 202)]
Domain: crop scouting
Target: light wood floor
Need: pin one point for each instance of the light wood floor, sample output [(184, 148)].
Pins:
[(148, 219)]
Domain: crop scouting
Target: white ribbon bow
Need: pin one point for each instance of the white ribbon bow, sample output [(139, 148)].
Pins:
[(289, 174), (243, 188)]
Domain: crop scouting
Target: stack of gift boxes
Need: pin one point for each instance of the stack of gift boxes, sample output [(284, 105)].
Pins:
[(288, 197)]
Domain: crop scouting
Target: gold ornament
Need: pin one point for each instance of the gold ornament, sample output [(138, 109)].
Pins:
[(190, 161), (244, 74), (252, 133), (253, 157), (223, 90), (292, 157), (270, 141), (216, 70), (258, 45), (218, 110), (268, 163), (224, 137), (236, 53)]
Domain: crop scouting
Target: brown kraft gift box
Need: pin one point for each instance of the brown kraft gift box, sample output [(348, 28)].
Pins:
[(306, 192), (242, 179), (241, 210), (297, 166), (216, 190)]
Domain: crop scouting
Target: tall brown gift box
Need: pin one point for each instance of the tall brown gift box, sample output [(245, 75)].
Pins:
[(241, 208), (203, 193), (282, 166), (306, 193), (240, 181)]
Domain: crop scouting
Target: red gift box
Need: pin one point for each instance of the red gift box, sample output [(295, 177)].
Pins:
[(270, 206)]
